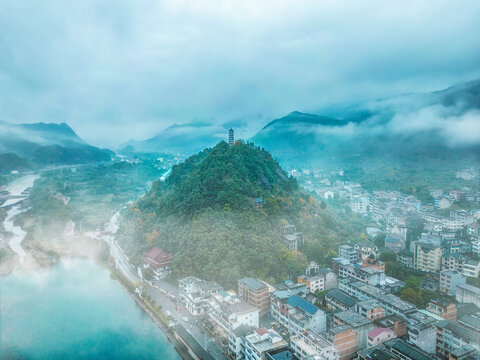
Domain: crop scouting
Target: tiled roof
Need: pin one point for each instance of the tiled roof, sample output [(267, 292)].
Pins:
[(297, 301)]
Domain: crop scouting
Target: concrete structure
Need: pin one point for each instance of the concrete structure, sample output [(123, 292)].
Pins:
[(360, 324), (406, 351), (159, 262), (452, 336), (443, 308), (312, 345), (228, 312), (285, 353), (427, 256), (259, 342), (347, 252), (365, 249), (195, 294), (296, 314), (371, 309), (468, 294), (344, 339), (379, 336), (449, 280), (255, 292), (471, 268), (368, 275), (393, 322), (337, 300), (314, 283)]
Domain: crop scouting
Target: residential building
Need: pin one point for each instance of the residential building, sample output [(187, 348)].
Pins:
[(368, 275), (406, 351), (365, 249), (406, 258), (476, 246), (379, 335), (314, 283), (395, 244), (259, 342), (471, 268), (236, 340), (330, 277), (427, 256), (159, 262), (312, 345), (430, 282), (344, 339), (378, 353), (371, 309), (347, 252), (337, 300), (360, 324), (285, 353), (393, 322), (296, 314), (255, 292), (453, 261), (452, 336), (228, 312), (468, 294), (443, 308), (195, 294), (449, 280)]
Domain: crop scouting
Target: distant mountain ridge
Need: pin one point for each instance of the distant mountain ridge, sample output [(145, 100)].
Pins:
[(41, 144), (414, 127)]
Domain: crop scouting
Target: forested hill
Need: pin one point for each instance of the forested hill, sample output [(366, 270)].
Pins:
[(224, 178), (205, 214)]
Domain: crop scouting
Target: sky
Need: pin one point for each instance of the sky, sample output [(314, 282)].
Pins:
[(116, 70)]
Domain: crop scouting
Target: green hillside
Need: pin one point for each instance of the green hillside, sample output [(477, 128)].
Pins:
[(204, 214)]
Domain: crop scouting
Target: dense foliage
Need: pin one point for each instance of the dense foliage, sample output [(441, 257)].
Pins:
[(205, 214)]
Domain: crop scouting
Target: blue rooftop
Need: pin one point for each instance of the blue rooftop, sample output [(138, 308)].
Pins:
[(297, 301)]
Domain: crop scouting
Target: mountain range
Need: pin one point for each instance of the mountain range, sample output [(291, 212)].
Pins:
[(24, 146)]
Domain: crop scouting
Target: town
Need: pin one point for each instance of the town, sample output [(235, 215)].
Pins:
[(409, 289)]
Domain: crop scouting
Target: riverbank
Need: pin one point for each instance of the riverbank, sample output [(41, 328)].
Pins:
[(180, 348)]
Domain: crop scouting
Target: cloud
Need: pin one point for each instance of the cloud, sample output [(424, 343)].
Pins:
[(122, 69)]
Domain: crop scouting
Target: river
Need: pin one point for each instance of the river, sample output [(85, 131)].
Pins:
[(75, 311)]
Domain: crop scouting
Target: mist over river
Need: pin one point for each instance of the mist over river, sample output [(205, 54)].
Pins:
[(75, 311)]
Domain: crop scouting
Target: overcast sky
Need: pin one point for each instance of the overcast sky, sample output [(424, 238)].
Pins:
[(116, 70)]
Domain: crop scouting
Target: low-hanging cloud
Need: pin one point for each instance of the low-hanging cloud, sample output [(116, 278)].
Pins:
[(116, 70)]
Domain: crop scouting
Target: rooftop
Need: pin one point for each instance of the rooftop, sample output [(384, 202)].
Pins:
[(408, 350), (298, 302), (252, 283), (350, 317), (341, 297)]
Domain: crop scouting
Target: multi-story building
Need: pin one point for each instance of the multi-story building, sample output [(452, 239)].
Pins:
[(259, 342), (195, 294), (379, 335), (468, 294), (314, 283), (476, 246), (449, 280), (296, 314), (406, 258), (255, 292), (430, 282), (406, 351), (360, 324), (337, 300), (330, 277), (452, 336), (347, 252), (312, 345), (471, 268), (391, 303), (368, 275), (393, 322), (427, 256), (282, 353), (344, 339), (159, 262), (365, 249), (371, 309), (228, 312), (443, 308), (453, 261)]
